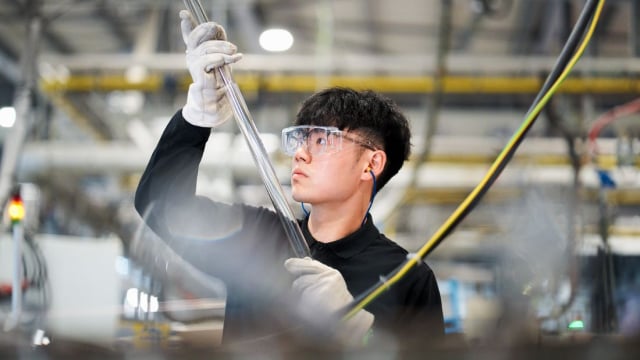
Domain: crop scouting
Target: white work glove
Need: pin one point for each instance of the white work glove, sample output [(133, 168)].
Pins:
[(323, 293), (207, 49)]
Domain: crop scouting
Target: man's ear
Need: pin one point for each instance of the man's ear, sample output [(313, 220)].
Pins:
[(377, 161)]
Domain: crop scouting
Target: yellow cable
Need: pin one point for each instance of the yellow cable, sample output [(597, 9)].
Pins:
[(471, 197)]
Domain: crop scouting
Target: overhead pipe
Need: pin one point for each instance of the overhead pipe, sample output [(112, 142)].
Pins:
[(304, 83), (360, 64)]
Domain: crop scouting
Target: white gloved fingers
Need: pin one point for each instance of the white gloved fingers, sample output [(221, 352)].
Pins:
[(201, 33), (225, 111), (207, 48), (226, 60), (193, 34), (206, 107), (204, 32), (221, 94), (216, 95), (187, 24), (209, 55), (317, 279), (213, 47), (318, 285), (304, 282), (322, 294), (306, 265), (202, 68), (204, 64)]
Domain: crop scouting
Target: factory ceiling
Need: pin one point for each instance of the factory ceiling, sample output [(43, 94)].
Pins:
[(107, 74)]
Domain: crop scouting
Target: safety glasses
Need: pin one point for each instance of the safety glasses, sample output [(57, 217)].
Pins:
[(316, 139)]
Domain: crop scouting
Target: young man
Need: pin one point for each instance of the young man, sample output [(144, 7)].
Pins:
[(345, 146)]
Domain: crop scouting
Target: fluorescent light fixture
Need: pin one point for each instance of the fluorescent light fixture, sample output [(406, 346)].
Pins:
[(276, 40), (7, 117)]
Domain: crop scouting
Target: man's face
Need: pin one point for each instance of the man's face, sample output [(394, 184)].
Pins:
[(327, 177)]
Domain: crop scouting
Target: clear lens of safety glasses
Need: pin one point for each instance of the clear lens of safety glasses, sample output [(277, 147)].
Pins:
[(316, 139)]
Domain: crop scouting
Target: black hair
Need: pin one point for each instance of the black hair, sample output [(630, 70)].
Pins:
[(377, 118)]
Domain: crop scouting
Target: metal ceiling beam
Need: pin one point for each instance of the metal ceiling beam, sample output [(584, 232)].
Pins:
[(450, 154), (83, 116), (95, 120), (50, 36), (356, 64), (106, 13), (9, 68), (55, 40), (438, 183)]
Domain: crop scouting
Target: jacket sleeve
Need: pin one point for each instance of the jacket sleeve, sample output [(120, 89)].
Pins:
[(215, 237), (165, 196)]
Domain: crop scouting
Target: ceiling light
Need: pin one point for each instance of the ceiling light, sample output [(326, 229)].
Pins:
[(276, 40)]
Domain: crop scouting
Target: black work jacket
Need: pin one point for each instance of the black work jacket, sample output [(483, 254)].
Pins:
[(246, 246)]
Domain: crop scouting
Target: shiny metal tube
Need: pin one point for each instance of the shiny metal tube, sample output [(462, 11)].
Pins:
[(258, 151), (196, 9)]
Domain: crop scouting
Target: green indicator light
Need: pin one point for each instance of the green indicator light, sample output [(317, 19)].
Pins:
[(576, 324)]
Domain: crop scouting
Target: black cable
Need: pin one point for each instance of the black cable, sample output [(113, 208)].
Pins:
[(558, 69), (569, 48), (563, 59)]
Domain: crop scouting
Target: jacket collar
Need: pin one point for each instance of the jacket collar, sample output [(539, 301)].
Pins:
[(349, 245)]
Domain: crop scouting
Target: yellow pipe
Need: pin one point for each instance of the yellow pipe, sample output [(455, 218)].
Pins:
[(453, 195), (453, 84), (605, 161), (80, 83)]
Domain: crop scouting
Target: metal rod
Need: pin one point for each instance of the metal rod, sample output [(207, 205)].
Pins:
[(196, 9), (258, 151)]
